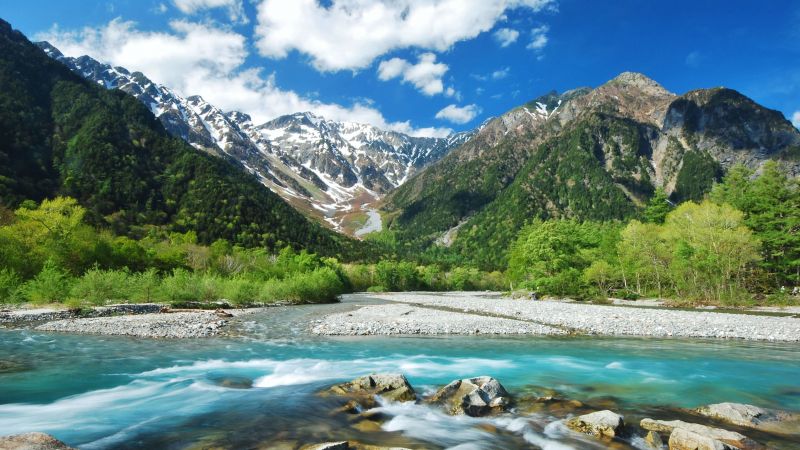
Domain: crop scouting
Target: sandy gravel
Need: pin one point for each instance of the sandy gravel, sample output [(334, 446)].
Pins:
[(404, 319), (579, 318), (160, 325)]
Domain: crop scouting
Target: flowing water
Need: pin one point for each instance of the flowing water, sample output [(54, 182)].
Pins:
[(98, 392)]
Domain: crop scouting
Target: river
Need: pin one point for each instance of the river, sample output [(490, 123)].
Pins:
[(100, 392)]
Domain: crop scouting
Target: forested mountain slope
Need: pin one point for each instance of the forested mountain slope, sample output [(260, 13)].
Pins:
[(63, 135), (589, 154)]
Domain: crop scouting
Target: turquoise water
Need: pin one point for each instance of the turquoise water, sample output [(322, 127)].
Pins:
[(111, 392)]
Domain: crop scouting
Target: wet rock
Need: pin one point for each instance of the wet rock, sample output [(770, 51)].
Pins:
[(600, 423), (343, 445), (392, 387), (727, 437), (12, 366), (474, 397), (234, 382), (683, 439), (551, 405), (32, 441), (653, 440), (367, 426), (750, 416)]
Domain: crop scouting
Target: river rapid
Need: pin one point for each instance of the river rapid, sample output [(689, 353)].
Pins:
[(258, 388)]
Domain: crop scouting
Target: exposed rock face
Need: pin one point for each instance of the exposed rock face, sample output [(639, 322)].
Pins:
[(475, 397), (600, 423), (32, 441), (731, 438), (392, 387), (750, 416)]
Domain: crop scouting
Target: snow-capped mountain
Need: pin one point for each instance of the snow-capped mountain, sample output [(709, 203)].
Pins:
[(327, 168)]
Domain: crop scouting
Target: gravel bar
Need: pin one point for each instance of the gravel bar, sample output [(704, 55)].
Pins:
[(396, 319), (579, 318), (160, 325)]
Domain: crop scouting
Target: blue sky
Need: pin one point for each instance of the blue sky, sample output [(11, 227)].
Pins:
[(426, 66)]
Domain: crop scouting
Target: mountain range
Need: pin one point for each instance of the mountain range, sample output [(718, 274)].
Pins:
[(594, 154), (61, 135), (75, 126), (325, 168)]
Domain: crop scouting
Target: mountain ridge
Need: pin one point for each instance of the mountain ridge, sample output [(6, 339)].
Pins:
[(588, 154), (327, 169)]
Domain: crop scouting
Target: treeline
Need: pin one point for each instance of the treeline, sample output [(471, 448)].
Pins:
[(743, 241), (50, 254)]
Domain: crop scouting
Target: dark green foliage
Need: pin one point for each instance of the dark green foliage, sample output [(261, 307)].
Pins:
[(657, 208), (771, 204), (61, 135), (697, 176)]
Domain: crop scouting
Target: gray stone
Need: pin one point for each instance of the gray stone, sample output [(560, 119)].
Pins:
[(750, 416), (600, 423), (731, 438), (475, 397), (32, 441), (392, 387), (683, 439)]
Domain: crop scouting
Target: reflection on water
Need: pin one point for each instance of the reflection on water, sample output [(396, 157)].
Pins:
[(115, 392)]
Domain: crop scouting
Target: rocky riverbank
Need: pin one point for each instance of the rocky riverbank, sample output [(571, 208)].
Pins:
[(136, 320), (481, 313), (570, 423)]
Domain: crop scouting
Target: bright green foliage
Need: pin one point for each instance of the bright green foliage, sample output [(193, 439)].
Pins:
[(10, 283), (51, 285), (657, 208), (550, 257), (771, 204), (99, 287), (702, 252)]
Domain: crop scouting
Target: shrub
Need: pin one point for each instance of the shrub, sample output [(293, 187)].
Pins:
[(10, 284), (50, 286), (240, 291), (145, 286), (101, 286)]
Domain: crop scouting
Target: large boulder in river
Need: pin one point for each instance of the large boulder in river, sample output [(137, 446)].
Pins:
[(32, 441), (750, 416), (474, 397), (683, 439), (731, 438), (364, 389), (600, 423)]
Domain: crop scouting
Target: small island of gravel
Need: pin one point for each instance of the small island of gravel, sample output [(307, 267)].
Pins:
[(489, 313)]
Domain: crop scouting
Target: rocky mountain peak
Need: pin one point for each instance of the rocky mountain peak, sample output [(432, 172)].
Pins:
[(638, 80)]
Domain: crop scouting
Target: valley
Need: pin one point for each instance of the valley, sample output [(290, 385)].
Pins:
[(376, 225)]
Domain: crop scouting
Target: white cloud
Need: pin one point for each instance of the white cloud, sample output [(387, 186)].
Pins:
[(235, 8), (201, 59), (539, 38), (501, 73), (350, 34), (506, 36), (426, 75), (796, 119), (459, 114), (160, 8)]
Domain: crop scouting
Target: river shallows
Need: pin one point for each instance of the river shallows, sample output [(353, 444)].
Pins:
[(114, 392)]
